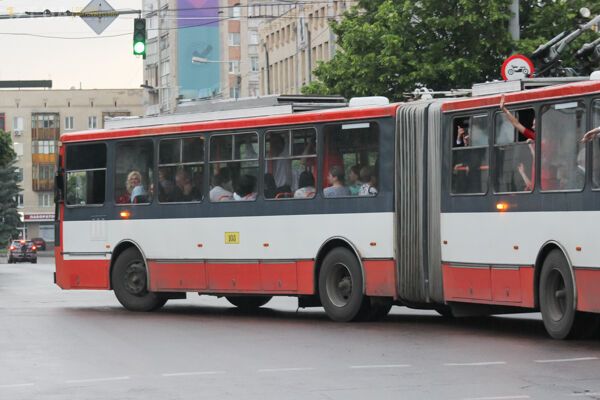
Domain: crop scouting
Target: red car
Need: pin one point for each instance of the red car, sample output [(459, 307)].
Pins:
[(39, 243), (22, 250)]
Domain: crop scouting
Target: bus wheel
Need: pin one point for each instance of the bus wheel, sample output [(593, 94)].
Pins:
[(557, 299), (340, 287), (129, 282), (248, 302)]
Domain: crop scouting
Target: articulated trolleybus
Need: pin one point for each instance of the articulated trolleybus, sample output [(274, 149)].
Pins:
[(439, 204)]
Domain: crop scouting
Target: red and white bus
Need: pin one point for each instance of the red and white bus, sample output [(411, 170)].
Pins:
[(439, 204)]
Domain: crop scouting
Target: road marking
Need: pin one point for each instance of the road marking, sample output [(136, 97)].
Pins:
[(567, 360), (284, 369), (499, 397), (115, 378), (16, 385), (193, 373), (380, 366), (475, 364), (586, 394)]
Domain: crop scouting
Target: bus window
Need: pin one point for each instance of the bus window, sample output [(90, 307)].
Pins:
[(180, 170), (134, 172), (351, 160), (515, 154), (470, 155), (86, 174), (596, 146), (563, 154), (233, 167), (291, 164)]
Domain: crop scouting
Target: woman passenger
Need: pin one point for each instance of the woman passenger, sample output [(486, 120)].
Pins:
[(134, 189), (306, 183), (336, 180)]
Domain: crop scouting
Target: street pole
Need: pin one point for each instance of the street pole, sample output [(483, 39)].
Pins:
[(513, 26)]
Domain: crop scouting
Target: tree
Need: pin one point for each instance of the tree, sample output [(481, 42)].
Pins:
[(388, 47), (9, 189)]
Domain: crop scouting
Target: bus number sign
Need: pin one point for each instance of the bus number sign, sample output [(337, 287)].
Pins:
[(232, 238)]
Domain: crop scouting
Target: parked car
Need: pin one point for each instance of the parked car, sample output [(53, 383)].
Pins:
[(39, 243), (22, 250)]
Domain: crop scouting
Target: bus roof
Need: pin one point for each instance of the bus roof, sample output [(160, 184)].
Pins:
[(545, 93), (337, 114)]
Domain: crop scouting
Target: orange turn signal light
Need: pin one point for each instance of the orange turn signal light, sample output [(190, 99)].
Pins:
[(501, 206), (125, 214)]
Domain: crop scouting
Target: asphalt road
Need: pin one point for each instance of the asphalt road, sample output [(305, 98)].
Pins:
[(82, 345)]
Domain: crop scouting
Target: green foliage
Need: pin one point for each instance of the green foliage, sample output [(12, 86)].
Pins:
[(9, 189), (388, 47)]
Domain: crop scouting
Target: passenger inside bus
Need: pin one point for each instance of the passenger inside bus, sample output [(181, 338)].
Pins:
[(306, 184), (369, 187), (134, 189), (186, 190), (221, 184), (270, 187), (166, 186), (526, 129), (282, 168), (461, 135), (336, 180), (246, 189), (470, 154), (354, 182)]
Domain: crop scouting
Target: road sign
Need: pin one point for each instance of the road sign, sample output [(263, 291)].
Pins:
[(517, 67), (98, 14)]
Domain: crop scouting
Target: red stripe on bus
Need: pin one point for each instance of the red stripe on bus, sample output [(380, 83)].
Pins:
[(547, 93), (242, 123), (588, 287), (82, 274), (489, 285), (380, 278)]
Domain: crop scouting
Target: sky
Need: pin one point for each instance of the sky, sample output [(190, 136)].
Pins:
[(99, 62)]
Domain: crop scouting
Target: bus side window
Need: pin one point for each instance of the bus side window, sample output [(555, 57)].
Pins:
[(515, 154), (180, 169), (233, 167), (563, 154), (351, 160), (134, 172), (290, 164), (86, 174), (470, 155), (596, 146)]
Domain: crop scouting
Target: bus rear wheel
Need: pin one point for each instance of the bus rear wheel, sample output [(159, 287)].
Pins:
[(248, 302), (557, 300), (341, 287), (129, 282)]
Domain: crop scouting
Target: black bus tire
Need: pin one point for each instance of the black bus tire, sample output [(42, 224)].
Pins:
[(557, 299), (379, 308), (248, 302), (341, 287), (129, 282)]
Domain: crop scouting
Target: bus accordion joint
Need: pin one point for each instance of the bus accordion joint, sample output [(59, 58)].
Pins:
[(125, 214), (502, 206)]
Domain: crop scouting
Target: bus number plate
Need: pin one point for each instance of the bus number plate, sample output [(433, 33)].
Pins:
[(232, 238)]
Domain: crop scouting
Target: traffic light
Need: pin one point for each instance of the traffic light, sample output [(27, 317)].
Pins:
[(139, 37)]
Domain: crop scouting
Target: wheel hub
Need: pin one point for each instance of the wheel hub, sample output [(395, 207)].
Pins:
[(135, 279), (339, 285)]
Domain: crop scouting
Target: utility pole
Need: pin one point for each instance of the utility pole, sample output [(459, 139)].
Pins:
[(513, 26)]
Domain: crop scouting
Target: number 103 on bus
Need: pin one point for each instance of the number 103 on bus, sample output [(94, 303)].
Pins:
[(232, 238)]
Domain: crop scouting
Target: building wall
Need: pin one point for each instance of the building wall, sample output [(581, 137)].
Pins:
[(36, 119), (294, 43)]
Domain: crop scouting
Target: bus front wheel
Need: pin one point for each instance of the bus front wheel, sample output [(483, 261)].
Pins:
[(557, 301), (129, 282), (341, 287)]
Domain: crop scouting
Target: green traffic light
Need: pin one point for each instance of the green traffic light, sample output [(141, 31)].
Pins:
[(139, 48)]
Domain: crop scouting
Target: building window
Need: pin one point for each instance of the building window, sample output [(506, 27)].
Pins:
[(234, 38), (92, 122), (43, 147), (68, 123), (253, 37), (235, 11), (234, 92), (234, 67), (19, 174), (45, 199), (254, 64), (2, 124), (19, 200), (17, 125)]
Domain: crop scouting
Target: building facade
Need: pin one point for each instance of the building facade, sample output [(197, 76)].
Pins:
[(36, 119), (293, 44)]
